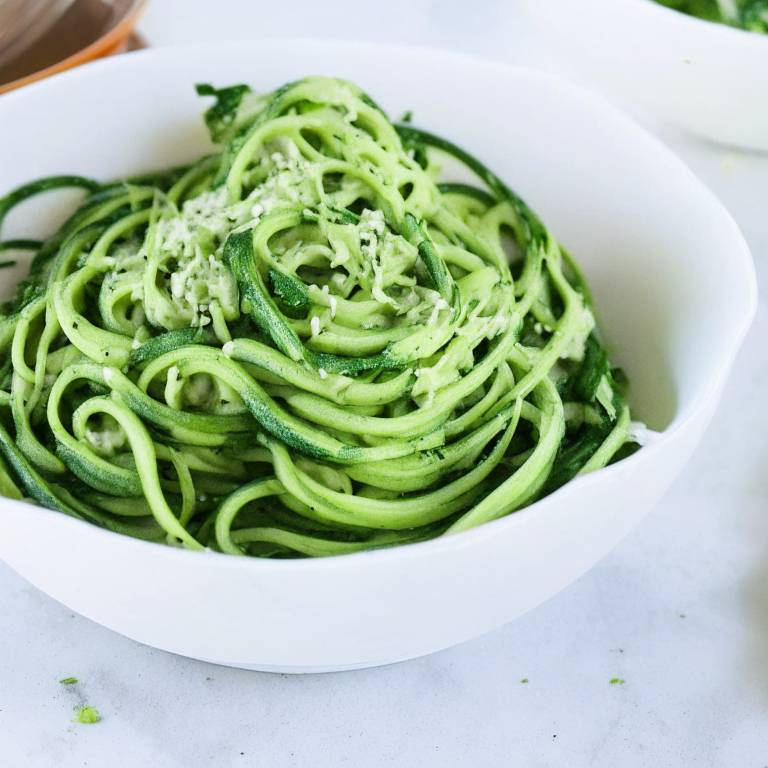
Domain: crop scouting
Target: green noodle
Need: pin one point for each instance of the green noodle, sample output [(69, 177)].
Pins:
[(303, 345), (751, 15)]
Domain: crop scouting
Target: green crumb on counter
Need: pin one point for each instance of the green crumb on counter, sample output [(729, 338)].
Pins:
[(88, 715), (617, 681), (524, 680), (68, 681)]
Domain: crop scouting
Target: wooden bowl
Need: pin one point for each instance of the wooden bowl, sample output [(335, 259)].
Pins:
[(87, 30)]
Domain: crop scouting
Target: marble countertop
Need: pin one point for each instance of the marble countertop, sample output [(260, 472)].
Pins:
[(678, 612)]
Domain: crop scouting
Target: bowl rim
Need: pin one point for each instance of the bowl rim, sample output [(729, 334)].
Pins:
[(700, 402), (103, 45)]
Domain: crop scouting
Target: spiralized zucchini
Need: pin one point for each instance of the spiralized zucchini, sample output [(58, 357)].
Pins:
[(751, 15), (303, 345)]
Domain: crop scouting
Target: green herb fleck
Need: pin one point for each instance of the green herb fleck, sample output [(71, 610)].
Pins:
[(8, 263), (88, 715), (407, 117), (617, 681), (524, 680), (68, 681), (223, 113)]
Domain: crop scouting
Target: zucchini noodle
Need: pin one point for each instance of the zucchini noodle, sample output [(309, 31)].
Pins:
[(750, 15), (310, 343)]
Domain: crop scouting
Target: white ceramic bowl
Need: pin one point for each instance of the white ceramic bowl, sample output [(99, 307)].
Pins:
[(674, 284), (707, 77)]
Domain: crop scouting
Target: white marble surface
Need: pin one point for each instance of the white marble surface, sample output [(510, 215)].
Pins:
[(679, 611)]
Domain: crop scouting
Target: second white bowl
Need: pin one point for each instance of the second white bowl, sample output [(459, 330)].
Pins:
[(707, 77)]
